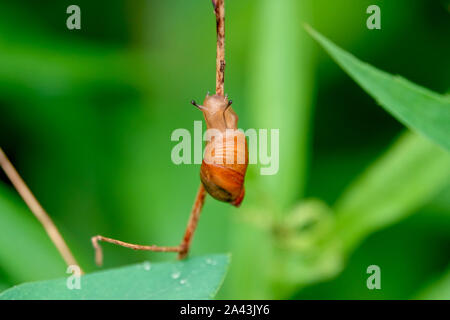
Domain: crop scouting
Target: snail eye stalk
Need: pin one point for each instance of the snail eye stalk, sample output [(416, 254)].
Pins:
[(195, 104)]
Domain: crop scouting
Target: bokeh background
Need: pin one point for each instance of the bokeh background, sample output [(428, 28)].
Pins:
[(86, 117)]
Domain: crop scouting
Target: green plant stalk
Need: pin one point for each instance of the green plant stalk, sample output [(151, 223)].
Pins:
[(280, 91)]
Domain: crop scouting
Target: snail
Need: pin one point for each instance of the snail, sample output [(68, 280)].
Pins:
[(226, 154)]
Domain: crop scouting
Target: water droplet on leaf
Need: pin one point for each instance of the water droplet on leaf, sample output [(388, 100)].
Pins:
[(147, 265)]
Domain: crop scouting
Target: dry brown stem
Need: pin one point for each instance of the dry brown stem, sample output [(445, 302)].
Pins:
[(219, 10), (37, 209)]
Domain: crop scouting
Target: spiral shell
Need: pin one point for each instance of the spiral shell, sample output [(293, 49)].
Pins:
[(221, 172)]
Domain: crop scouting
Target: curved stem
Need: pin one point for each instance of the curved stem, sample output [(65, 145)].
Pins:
[(99, 253), (193, 221)]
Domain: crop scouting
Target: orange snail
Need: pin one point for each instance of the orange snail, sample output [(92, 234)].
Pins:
[(226, 155)]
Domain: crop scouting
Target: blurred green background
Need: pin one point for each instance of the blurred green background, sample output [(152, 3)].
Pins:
[(86, 117)]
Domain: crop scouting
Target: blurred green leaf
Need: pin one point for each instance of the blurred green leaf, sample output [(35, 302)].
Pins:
[(26, 252), (418, 108), (404, 179), (439, 290), (194, 278)]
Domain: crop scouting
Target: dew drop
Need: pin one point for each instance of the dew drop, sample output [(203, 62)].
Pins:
[(147, 265), (183, 281), (175, 275)]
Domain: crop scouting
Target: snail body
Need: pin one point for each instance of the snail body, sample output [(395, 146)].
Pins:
[(226, 154)]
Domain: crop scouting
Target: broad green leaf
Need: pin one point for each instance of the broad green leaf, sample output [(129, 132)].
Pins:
[(418, 108), (410, 174), (26, 251), (194, 278)]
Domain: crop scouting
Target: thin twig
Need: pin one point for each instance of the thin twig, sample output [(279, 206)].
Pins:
[(99, 254), (192, 223), (183, 248), (37, 209), (219, 10)]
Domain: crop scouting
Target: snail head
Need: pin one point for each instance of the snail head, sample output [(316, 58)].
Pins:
[(214, 108)]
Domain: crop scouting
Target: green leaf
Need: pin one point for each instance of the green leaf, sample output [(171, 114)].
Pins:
[(418, 108), (26, 251), (194, 278), (439, 290), (405, 178)]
